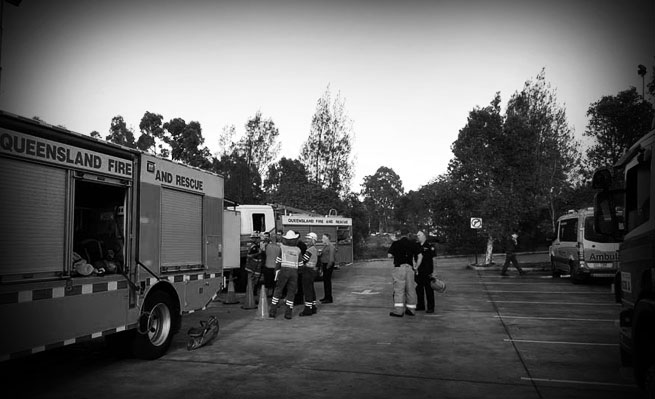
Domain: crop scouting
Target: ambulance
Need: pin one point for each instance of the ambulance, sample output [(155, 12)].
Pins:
[(580, 251)]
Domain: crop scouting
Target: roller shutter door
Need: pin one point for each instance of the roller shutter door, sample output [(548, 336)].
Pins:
[(33, 211), (181, 228)]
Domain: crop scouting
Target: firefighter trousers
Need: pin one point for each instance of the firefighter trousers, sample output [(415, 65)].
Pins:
[(404, 289)]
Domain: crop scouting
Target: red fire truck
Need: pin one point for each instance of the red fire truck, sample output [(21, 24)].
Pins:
[(101, 240)]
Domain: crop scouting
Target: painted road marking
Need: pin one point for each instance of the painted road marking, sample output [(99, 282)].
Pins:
[(553, 318), (548, 292), (576, 382), (560, 303), (366, 292), (529, 341)]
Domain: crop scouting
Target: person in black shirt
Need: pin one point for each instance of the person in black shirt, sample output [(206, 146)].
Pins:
[(425, 268), (403, 252)]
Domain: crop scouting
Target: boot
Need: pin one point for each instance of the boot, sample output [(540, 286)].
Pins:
[(272, 311), (307, 311), (314, 310), (288, 314)]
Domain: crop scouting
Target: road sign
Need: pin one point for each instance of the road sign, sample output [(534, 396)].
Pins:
[(476, 223)]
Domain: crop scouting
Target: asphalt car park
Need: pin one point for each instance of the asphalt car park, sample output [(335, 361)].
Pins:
[(510, 337)]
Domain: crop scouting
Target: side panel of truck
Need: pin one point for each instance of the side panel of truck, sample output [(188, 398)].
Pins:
[(47, 187)]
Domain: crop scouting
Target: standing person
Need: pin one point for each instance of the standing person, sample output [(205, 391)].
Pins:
[(510, 255), (254, 260), (425, 268), (403, 252), (309, 274), (271, 253), (286, 274), (327, 264)]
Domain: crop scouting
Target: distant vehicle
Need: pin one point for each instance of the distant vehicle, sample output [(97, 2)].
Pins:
[(580, 251), (635, 281)]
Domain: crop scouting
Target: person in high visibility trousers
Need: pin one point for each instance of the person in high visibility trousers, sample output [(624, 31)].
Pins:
[(286, 274), (309, 274), (403, 251)]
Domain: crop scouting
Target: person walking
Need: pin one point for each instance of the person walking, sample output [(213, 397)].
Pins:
[(271, 253), (286, 274), (510, 254), (309, 274), (327, 265), (403, 252), (424, 290)]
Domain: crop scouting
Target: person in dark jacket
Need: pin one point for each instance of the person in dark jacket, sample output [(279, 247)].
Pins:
[(403, 251), (424, 290), (510, 254)]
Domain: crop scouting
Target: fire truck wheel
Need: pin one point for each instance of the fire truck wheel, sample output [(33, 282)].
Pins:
[(555, 272), (155, 334)]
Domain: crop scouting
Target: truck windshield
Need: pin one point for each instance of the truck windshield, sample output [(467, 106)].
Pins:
[(590, 233)]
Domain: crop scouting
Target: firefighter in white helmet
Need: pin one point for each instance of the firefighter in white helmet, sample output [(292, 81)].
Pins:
[(286, 274)]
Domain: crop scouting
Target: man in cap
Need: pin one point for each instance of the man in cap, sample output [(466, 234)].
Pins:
[(510, 254), (309, 274), (286, 274)]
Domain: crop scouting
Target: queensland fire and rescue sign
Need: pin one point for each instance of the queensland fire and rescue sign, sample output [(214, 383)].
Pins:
[(316, 220), (52, 152), (162, 172), (476, 223)]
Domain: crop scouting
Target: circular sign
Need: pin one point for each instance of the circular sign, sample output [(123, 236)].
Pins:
[(476, 223)]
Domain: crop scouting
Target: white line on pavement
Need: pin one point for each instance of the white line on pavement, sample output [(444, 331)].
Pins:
[(529, 341), (548, 292), (576, 382), (552, 318), (560, 303)]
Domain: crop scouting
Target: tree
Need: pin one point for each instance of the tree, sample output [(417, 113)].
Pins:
[(119, 133), (287, 184), (615, 124), (186, 141), (384, 188), (153, 136), (225, 140), (259, 147), (242, 183), (327, 152), (411, 210)]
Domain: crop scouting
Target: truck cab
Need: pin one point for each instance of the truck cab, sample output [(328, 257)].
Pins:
[(580, 251)]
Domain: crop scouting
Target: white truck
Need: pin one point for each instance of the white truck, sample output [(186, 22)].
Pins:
[(101, 240)]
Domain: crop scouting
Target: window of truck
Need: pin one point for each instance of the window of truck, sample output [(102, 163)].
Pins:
[(637, 207), (259, 222)]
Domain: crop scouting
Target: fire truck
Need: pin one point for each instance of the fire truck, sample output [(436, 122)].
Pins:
[(101, 240), (635, 280)]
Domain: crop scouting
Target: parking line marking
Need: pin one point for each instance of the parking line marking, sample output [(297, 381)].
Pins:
[(559, 303), (548, 292), (577, 382), (552, 318), (557, 342)]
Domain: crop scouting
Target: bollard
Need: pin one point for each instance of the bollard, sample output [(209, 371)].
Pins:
[(231, 295), (250, 300), (262, 310)]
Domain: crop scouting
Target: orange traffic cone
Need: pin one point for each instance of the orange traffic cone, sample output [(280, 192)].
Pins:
[(262, 309), (250, 299), (231, 295)]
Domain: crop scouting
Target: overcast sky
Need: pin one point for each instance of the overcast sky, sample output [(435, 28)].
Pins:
[(409, 71)]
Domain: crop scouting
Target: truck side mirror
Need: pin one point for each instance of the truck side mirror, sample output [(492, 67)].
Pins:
[(605, 220)]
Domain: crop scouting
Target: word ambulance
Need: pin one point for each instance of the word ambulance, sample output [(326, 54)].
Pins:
[(101, 240)]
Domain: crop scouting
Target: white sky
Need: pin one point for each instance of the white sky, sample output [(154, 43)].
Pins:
[(410, 71)]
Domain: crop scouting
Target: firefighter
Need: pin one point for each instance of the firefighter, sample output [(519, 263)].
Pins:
[(286, 274), (254, 260), (309, 274)]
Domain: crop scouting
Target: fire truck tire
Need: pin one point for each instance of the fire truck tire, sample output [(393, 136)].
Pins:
[(157, 333), (555, 272)]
